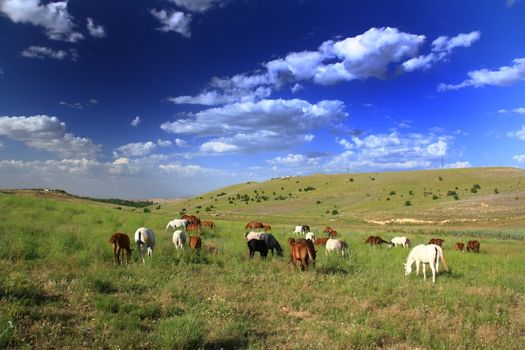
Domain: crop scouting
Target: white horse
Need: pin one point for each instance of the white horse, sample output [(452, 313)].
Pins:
[(429, 254), (179, 239), (145, 240), (402, 241), (255, 235), (310, 236), (336, 245), (301, 230), (176, 223)]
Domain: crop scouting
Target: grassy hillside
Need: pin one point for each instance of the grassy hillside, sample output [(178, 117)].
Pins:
[(59, 289), (473, 197)]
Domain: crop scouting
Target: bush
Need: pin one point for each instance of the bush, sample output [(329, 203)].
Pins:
[(208, 209), (411, 193), (351, 179), (335, 212), (146, 210), (392, 193), (496, 191), (434, 197), (408, 203)]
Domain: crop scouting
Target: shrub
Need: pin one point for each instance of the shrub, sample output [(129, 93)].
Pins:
[(440, 178), (434, 197), (408, 203), (392, 193), (309, 188), (410, 193), (146, 210), (456, 197), (318, 202), (496, 191), (208, 209), (335, 212), (351, 179)]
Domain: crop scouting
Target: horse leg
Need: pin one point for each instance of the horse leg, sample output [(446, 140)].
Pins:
[(115, 259), (433, 273), (424, 272)]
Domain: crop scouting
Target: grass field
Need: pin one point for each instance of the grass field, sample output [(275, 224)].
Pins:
[(59, 288)]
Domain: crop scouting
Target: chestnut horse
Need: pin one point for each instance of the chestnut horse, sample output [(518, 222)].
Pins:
[(254, 224), (301, 250), (473, 246), (459, 246), (120, 241), (376, 240), (436, 241), (195, 242)]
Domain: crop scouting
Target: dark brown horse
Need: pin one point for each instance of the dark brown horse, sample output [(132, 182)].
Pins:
[(436, 241), (254, 224), (120, 241), (257, 245), (473, 246), (192, 219), (208, 224), (376, 240), (459, 246), (195, 242)]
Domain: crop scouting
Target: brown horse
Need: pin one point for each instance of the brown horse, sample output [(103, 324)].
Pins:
[(254, 224), (120, 241), (267, 227), (328, 230), (301, 250), (192, 219), (208, 224), (473, 246), (195, 242), (459, 246), (436, 241), (321, 241), (376, 240), (196, 228)]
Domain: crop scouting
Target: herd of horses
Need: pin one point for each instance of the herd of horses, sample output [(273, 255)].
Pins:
[(302, 248)]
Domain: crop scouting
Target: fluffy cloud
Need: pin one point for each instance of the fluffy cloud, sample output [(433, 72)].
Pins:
[(181, 142), (135, 149), (94, 30), (198, 5), (519, 134), (163, 143), (520, 158), (294, 160), (458, 165), (175, 21), (441, 48), (506, 75), (47, 133), (519, 110), (256, 126), (41, 52), (53, 17), (390, 151), (135, 122)]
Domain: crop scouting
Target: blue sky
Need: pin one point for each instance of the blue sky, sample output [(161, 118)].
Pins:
[(171, 98)]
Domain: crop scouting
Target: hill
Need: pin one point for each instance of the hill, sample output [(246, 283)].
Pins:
[(472, 197)]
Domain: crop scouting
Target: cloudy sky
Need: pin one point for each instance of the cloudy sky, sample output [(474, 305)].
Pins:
[(171, 98)]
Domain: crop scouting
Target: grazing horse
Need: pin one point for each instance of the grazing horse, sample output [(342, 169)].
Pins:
[(321, 241), (459, 246), (328, 230), (473, 246), (196, 228), (257, 245), (272, 243), (336, 245), (195, 242), (301, 230), (255, 235), (254, 225), (401, 241), (267, 228), (376, 240), (302, 251), (332, 234), (310, 236), (176, 223), (120, 241), (179, 239), (436, 241), (425, 254), (208, 224), (145, 240), (192, 219)]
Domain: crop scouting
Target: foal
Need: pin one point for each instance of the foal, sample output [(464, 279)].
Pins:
[(120, 241)]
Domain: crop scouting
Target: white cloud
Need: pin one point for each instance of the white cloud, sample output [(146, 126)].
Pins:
[(47, 133), (175, 21), (296, 88), (135, 149), (294, 160), (520, 158), (519, 134), (256, 126), (41, 52), (181, 142), (198, 5), (78, 105), (504, 76), (458, 165), (94, 30), (519, 110), (53, 17), (135, 122), (163, 143)]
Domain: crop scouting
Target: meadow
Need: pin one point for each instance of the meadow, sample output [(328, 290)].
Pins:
[(60, 289)]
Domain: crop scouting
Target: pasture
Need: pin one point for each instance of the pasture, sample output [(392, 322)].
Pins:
[(60, 289)]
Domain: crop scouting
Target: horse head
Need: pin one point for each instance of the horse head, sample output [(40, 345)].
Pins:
[(408, 269)]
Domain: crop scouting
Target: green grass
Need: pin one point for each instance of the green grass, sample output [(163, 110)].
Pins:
[(59, 288)]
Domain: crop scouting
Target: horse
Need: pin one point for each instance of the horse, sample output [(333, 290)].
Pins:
[(473, 246), (302, 251), (272, 243), (301, 230), (459, 246), (145, 240), (120, 241), (176, 223), (332, 234), (196, 228), (402, 241), (195, 242), (267, 228), (376, 240), (192, 219), (254, 225), (310, 236), (208, 224), (436, 241), (321, 241), (255, 235), (328, 230), (336, 245), (179, 239), (425, 254), (257, 245)]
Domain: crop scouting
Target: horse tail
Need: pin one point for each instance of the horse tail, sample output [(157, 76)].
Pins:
[(278, 248), (442, 258)]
